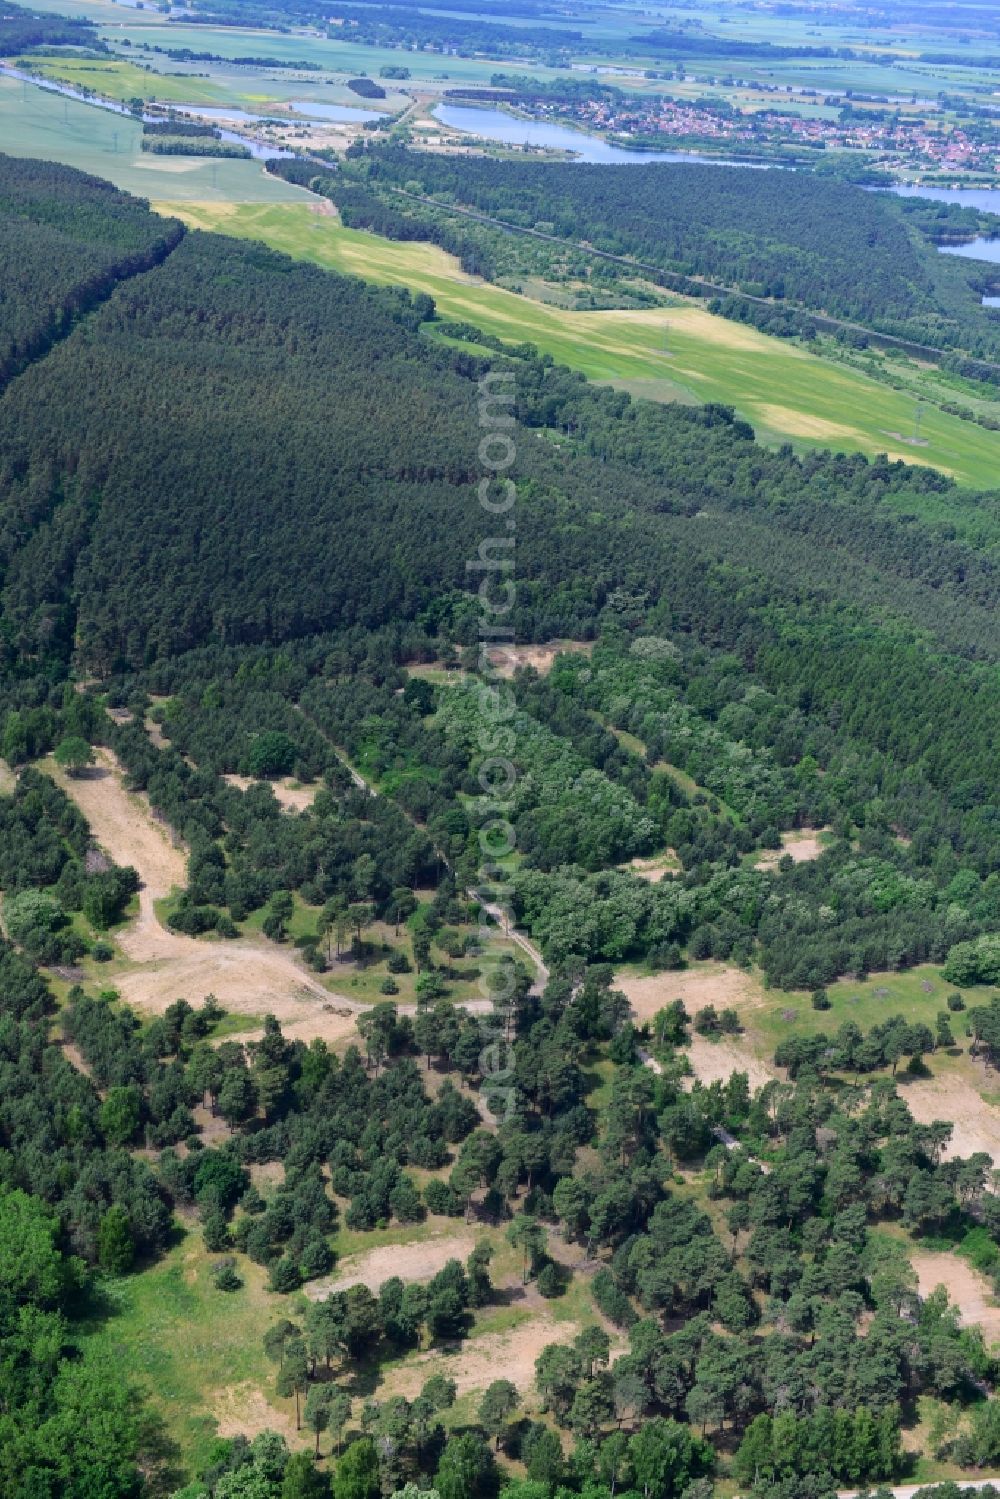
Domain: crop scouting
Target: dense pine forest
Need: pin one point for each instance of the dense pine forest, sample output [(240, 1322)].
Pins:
[(238, 507)]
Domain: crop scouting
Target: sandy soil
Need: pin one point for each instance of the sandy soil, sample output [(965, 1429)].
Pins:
[(654, 869), (418, 1261), (967, 1289), (244, 1409), (475, 1363), (702, 984), (976, 1123), (74, 1055), (125, 827), (291, 796), (245, 976), (716, 1061), (801, 847), (331, 1024), (507, 658)]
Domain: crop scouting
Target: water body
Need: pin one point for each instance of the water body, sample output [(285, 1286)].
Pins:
[(981, 248), (497, 125), (214, 112)]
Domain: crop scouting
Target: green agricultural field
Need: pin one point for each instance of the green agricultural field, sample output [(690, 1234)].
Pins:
[(679, 353), (123, 80), (36, 123), (334, 55)]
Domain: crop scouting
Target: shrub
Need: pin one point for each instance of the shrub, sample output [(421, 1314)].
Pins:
[(225, 1277), (284, 1275), (440, 1198), (553, 1280), (317, 1259), (270, 755)]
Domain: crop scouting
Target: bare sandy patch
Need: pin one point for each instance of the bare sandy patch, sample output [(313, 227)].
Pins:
[(75, 1057), (412, 1262), (654, 869), (505, 659), (126, 828), (246, 977), (477, 1362), (289, 794), (702, 984), (802, 424), (967, 1289), (716, 1061), (975, 1123), (801, 847), (332, 1024), (243, 1409)]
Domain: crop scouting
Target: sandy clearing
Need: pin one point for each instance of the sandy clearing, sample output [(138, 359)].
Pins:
[(328, 1025), (477, 1362), (802, 424), (975, 1123), (654, 869), (505, 659), (289, 794), (126, 828), (243, 1409), (411, 1262), (716, 1061), (247, 977), (967, 1289), (701, 984), (801, 847)]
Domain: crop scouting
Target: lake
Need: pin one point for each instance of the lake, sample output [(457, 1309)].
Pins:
[(497, 125), (969, 197)]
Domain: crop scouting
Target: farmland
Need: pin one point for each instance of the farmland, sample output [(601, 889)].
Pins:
[(36, 123)]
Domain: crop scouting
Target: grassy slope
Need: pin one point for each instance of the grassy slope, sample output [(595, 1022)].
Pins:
[(668, 353)]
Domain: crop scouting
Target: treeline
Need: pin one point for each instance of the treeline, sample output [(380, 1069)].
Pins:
[(22, 30), (168, 145), (66, 240)]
